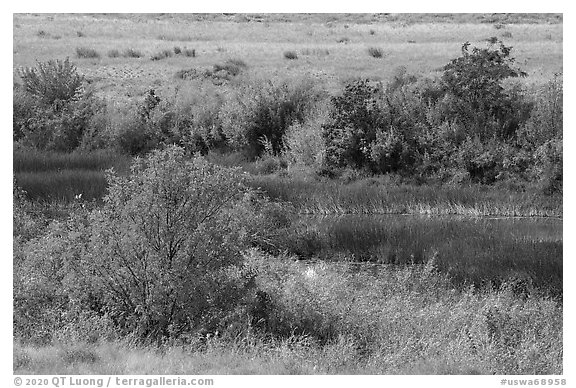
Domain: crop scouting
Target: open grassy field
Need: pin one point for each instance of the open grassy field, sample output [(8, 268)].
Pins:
[(332, 48)]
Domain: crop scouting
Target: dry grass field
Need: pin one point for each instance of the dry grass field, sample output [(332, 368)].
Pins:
[(332, 50)]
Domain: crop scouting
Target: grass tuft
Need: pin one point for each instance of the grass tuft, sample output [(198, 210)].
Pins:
[(375, 52)]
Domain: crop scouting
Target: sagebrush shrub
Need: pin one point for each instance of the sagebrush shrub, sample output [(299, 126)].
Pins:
[(290, 54), (86, 52), (375, 52)]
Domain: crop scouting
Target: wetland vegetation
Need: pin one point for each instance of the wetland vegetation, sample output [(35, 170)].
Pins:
[(288, 194)]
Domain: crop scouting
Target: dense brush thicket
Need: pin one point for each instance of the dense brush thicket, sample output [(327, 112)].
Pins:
[(467, 125), (162, 258), (472, 124)]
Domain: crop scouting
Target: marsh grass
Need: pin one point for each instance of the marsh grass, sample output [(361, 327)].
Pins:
[(380, 195), (61, 177), (341, 319), (26, 160), (483, 252), (63, 185)]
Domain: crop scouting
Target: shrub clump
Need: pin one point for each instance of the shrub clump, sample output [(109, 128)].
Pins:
[(467, 125), (263, 110), (51, 81), (166, 247), (161, 55), (86, 52), (52, 109), (232, 67), (375, 52), (189, 52), (290, 55), (132, 53)]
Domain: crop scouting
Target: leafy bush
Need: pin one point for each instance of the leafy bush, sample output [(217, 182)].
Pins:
[(419, 127), (40, 297), (52, 81), (261, 110), (53, 111), (353, 121), (177, 50), (479, 102), (60, 127), (164, 248)]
